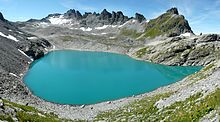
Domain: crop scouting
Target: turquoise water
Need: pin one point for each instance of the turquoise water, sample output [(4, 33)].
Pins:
[(77, 77)]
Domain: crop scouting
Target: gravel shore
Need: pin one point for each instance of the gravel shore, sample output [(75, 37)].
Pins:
[(183, 89)]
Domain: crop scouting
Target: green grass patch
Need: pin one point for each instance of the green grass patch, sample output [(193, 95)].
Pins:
[(23, 107), (202, 74), (30, 114), (66, 38), (6, 118), (191, 109), (164, 24), (140, 53), (130, 33), (33, 117), (140, 110)]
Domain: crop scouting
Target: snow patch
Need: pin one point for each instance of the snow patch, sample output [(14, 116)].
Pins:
[(186, 34), (105, 26), (102, 27), (25, 54), (43, 24), (114, 26), (133, 21), (103, 33), (95, 34), (128, 22), (9, 37), (32, 38), (59, 20), (20, 32), (112, 37), (85, 29), (12, 74)]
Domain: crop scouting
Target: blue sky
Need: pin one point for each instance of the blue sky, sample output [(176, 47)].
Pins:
[(203, 15)]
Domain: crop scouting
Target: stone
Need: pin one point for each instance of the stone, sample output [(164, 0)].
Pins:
[(82, 106)]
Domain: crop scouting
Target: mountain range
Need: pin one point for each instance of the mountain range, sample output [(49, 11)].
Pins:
[(167, 39)]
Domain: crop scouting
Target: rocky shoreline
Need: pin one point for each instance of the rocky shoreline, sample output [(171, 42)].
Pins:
[(88, 112), (177, 46)]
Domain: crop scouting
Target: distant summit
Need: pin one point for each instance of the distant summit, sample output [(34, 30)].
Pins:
[(1, 17), (139, 17), (89, 19), (169, 23), (173, 11), (73, 14)]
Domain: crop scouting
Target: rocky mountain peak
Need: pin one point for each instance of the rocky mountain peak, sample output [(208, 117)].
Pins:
[(167, 24), (105, 15), (70, 12), (73, 14), (1, 17), (139, 17), (173, 11)]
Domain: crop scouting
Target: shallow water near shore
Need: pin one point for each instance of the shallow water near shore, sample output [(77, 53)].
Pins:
[(81, 77)]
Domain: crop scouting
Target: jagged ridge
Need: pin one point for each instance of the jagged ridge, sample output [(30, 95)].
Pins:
[(89, 19)]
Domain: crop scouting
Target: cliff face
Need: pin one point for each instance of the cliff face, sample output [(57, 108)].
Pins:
[(17, 49)]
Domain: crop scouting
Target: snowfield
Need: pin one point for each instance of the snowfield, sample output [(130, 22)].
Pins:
[(59, 20), (9, 37)]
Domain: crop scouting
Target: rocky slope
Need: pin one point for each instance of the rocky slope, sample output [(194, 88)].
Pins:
[(182, 50), (17, 49), (167, 39)]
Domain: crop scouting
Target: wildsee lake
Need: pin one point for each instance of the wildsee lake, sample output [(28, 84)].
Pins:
[(81, 77)]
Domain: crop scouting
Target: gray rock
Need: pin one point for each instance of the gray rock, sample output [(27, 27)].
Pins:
[(209, 38), (1, 17), (173, 11), (73, 14), (139, 17)]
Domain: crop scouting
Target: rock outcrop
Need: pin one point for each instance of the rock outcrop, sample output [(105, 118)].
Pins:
[(173, 11), (104, 18), (1, 17), (15, 48), (73, 14), (139, 17), (209, 38)]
